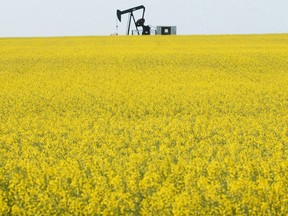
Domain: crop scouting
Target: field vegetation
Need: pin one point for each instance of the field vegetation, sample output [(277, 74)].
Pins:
[(184, 125)]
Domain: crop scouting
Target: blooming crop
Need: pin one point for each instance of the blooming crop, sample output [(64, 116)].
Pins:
[(144, 125)]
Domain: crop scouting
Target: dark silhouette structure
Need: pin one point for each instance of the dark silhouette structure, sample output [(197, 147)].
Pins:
[(139, 23)]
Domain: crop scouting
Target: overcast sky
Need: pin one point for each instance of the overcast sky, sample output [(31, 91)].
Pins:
[(95, 17)]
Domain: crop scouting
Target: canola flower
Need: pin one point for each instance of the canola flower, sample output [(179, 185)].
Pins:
[(184, 125)]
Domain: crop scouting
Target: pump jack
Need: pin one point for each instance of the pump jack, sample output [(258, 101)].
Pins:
[(139, 23)]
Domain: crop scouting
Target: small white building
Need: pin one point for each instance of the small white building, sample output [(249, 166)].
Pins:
[(166, 30)]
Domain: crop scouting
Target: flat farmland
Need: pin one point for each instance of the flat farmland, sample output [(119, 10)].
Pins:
[(183, 125)]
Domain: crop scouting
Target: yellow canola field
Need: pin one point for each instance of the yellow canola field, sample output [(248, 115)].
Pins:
[(183, 125)]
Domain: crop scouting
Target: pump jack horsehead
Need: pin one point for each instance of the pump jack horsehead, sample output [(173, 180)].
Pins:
[(138, 23)]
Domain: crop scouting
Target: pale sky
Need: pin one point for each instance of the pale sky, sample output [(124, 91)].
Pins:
[(25, 18)]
